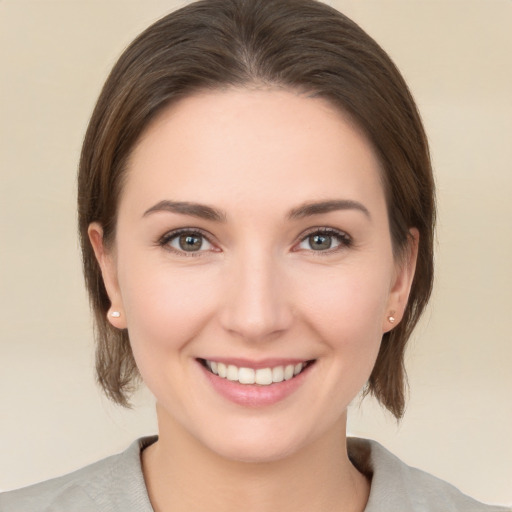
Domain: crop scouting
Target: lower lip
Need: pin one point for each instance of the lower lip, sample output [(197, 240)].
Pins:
[(254, 395)]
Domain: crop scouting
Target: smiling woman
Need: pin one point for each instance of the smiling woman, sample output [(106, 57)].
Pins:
[(256, 210), (256, 267)]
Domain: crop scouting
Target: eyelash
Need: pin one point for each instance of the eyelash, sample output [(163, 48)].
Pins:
[(345, 241), (169, 237)]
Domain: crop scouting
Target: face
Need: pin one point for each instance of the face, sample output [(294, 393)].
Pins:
[(253, 269)]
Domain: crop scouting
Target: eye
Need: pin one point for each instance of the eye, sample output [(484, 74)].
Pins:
[(324, 240), (186, 241)]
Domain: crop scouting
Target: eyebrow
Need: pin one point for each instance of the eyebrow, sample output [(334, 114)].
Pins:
[(201, 211), (317, 208)]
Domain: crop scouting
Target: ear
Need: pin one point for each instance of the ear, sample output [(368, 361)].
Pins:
[(402, 282), (107, 262)]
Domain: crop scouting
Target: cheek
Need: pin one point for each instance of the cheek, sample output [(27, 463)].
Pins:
[(345, 310), (348, 304), (165, 307)]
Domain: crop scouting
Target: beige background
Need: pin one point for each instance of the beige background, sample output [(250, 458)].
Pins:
[(54, 56)]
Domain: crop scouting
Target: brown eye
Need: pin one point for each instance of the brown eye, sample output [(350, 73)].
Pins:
[(320, 242), (325, 240), (188, 242)]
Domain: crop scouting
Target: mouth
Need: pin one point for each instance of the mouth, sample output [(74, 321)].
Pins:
[(259, 376)]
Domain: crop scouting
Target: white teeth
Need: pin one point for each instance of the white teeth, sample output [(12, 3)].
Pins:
[(264, 376), (222, 370), (288, 372), (278, 374), (232, 372), (261, 376), (246, 376)]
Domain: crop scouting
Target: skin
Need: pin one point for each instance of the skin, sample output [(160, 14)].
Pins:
[(256, 289)]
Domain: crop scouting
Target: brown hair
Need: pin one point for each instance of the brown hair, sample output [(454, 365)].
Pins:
[(297, 44)]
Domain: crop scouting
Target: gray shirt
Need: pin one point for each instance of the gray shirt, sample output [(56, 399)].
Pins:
[(116, 484)]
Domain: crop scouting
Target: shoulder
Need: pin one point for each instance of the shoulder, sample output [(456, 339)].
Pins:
[(74, 491), (111, 484), (397, 487)]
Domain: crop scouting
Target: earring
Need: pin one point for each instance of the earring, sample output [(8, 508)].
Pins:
[(391, 319), (115, 314)]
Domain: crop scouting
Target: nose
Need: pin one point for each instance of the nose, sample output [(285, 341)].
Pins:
[(256, 305)]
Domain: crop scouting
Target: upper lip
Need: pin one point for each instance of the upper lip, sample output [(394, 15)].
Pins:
[(262, 363)]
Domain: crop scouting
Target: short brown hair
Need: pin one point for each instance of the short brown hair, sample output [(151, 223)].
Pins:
[(296, 44)]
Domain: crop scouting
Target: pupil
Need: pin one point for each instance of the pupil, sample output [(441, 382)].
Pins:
[(190, 242), (320, 242)]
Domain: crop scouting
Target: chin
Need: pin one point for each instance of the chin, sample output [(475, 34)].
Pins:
[(256, 444), (252, 452)]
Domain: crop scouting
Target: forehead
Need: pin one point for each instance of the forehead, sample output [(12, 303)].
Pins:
[(254, 145)]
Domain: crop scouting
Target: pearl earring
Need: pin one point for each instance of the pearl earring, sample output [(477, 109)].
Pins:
[(391, 319), (115, 314)]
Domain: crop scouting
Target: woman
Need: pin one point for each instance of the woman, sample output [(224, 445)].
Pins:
[(256, 209)]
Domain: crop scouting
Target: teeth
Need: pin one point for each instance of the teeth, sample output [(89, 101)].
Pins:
[(232, 372), (246, 376), (278, 374), (222, 370), (261, 376), (264, 376), (288, 371)]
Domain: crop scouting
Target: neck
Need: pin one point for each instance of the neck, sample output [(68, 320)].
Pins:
[(183, 475)]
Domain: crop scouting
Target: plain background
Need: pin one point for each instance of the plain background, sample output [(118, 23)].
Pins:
[(456, 56)]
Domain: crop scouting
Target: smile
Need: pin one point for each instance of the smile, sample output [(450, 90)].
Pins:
[(261, 376)]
